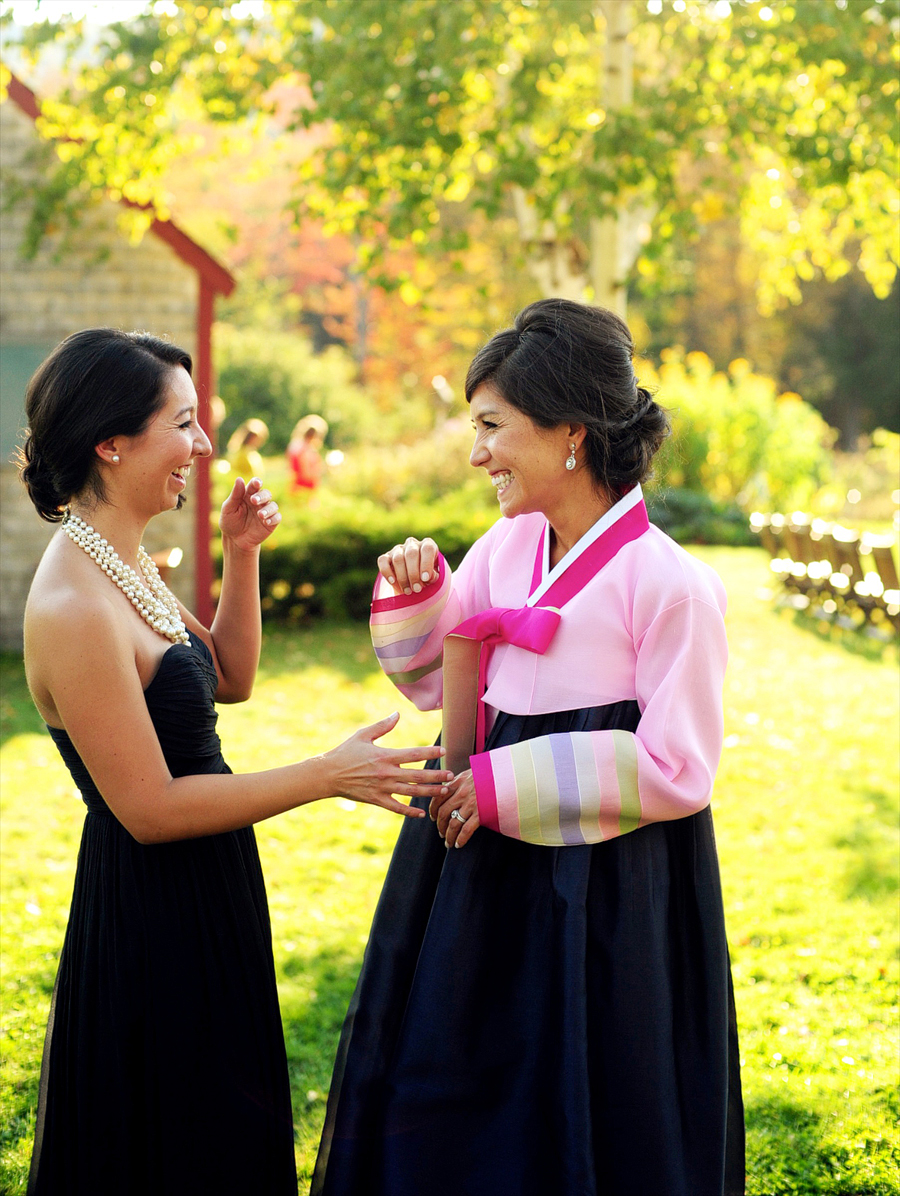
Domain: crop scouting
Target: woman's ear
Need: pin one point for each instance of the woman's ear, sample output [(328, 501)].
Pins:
[(107, 451), (576, 435)]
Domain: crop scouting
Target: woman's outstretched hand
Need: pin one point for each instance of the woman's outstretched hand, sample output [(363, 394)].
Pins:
[(367, 772), (249, 514), (410, 566), (456, 829)]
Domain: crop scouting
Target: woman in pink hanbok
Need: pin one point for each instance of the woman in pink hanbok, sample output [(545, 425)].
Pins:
[(546, 1007)]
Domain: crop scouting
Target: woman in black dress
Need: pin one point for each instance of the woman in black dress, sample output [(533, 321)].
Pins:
[(548, 1011), (164, 1070)]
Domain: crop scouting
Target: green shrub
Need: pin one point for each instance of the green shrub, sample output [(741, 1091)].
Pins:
[(434, 466), (692, 517), (735, 438), (865, 482), (276, 377), (322, 560)]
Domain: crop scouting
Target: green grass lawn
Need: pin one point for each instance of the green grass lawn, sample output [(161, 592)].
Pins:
[(806, 814)]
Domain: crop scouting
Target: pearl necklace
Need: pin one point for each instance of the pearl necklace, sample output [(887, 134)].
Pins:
[(153, 601)]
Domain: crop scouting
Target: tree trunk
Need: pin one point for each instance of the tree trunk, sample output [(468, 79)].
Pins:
[(555, 265), (559, 267), (613, 241)]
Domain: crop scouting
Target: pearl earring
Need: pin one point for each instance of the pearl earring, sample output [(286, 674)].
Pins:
[(570, 460), (115, 458)]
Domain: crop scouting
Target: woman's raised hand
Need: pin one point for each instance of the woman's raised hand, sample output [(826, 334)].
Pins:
[(249, 514), (367, 772), (410, 566)]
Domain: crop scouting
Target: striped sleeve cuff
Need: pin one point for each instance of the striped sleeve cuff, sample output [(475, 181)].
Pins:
[(402, 627), (560, 790)]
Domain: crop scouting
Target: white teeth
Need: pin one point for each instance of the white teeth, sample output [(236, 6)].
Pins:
[(501, 480)]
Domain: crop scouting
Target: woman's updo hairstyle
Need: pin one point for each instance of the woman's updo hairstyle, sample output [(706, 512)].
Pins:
[(565, 362), (96, 384)]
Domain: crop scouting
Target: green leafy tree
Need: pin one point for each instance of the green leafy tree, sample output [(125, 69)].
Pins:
[(604, 125)]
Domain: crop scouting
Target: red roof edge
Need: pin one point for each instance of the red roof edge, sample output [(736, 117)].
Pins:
[(214, 273)]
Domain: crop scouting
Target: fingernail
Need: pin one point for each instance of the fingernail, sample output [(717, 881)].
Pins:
[(432, 817), (426, 577), (417, 589), (457, 843), (391, 580), (444, 791), (407, 591)]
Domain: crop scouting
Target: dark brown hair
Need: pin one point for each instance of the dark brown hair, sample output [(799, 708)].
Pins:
[(566, 362), (96, 384)]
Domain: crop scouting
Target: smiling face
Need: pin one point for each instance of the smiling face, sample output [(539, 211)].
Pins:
[(526, 463), (155, 465)]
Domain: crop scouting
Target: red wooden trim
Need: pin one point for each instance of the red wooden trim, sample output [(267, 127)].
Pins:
[(203, 378), (213, 274), (184, 246), (23, 97)]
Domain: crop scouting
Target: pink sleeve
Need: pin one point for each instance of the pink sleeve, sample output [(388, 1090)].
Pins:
[(587, 786), (408, 629)]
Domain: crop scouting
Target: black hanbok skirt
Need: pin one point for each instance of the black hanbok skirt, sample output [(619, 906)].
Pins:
[(541, 1021)]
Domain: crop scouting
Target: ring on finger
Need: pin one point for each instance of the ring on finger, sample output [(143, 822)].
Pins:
[(456, 814)]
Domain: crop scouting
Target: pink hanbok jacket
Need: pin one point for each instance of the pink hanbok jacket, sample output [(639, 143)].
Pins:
[(647, 625)]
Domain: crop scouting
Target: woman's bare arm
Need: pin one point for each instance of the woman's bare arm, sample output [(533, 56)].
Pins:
[(249, 516), (88, 669)]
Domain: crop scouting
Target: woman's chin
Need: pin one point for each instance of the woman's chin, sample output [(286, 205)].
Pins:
[(509, 507)]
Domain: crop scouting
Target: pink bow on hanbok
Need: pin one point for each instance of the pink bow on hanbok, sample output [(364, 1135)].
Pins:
[(531, 627), (467, 648)]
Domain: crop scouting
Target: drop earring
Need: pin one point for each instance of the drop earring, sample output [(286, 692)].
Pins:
[(570, 460)]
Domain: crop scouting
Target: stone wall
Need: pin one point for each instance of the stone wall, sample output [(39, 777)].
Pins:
[(101, 279)]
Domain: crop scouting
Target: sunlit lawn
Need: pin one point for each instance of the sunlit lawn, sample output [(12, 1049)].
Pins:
[(806, 815)]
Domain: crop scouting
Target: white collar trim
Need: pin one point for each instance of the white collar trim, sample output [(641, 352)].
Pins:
[(613, 515)]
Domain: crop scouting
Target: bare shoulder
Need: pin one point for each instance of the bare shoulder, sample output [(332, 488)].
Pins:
[(68, 598), (72, 623)]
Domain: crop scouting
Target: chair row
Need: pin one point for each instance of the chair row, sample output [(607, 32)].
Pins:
[(837, 571)]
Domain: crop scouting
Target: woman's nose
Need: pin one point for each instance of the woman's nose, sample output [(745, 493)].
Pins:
[(202, 445), (479, 453)]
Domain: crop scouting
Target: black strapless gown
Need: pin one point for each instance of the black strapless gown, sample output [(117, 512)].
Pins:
[(164, 1070), (539, 1021)]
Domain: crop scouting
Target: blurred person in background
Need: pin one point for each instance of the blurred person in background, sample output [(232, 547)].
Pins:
[(304, 453), (244, 445), (547, 1008)]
